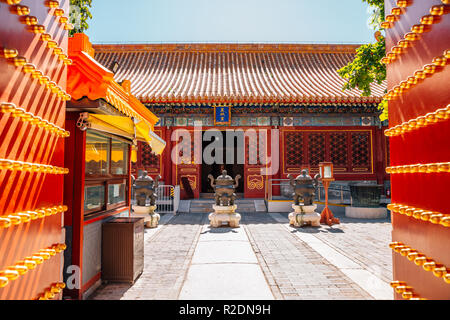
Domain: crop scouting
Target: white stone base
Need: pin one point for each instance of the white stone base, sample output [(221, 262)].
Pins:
[(151, 218), (365, 213), (300, 218), (143, 210), (223, 214), (153, 221)]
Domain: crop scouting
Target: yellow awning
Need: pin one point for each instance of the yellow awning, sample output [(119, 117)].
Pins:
[(156, 143), (125, 127)]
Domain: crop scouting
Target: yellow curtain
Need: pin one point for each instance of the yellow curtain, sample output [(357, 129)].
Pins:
[(133, 154), (125, 127), (121, 126)]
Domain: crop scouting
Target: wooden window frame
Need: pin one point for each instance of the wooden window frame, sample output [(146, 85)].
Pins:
[(108, 179)]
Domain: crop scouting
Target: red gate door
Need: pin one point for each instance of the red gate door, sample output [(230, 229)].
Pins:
[(187, 165), (33, 59), (257, 160), (420, 154)]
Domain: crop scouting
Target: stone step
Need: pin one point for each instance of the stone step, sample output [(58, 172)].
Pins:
[(201, 206), (243, 205), (184, 206), (201, 210), (260, 206), (207, 207)]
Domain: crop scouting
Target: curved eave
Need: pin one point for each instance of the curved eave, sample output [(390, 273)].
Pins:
[(255, 100), (88, 78)]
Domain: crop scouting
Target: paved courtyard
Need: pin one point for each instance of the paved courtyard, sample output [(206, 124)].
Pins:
[(264, 259)]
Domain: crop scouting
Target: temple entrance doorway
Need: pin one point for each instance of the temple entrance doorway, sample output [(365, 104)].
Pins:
[(234, 167)]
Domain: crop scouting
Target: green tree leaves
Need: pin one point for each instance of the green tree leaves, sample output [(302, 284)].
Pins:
[(79, 15), (366, 68), (377, 16)]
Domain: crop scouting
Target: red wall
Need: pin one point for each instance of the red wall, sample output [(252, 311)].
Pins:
[(253, 180)]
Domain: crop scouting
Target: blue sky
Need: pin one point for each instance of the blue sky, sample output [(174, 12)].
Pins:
[(311, 21)]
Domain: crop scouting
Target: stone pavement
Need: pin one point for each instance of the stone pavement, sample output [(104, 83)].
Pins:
[(264, 259), (344, 246), (295, 270), (224, 267)]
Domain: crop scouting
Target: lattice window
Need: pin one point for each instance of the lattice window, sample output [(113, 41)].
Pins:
[(294, 149), (361, 149), (339, 149), (149, 160), (316, 148)]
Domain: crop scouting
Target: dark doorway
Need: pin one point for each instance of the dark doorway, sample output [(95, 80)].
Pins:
[(233, 168)]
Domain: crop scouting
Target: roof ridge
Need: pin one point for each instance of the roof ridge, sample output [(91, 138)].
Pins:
[(228, 47)]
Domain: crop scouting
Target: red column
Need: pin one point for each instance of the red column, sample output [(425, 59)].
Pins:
[(129, 180), (277, 189), (74, 193), (167, 163), (379, 155)]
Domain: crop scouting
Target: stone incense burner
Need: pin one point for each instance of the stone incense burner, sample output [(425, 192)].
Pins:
[(225, 196), (224, 187)]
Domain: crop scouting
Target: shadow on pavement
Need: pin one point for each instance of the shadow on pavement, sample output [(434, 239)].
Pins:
[(314, 230), (111, 291), (220, 230), (265, 218), (344, 219)]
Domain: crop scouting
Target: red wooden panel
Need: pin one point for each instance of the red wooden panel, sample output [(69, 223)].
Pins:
[(188, 168)]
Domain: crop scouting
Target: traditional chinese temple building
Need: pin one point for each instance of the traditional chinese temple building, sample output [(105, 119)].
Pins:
[(291, 87)]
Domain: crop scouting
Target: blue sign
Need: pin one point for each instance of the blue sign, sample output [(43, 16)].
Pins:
[(222, 115)]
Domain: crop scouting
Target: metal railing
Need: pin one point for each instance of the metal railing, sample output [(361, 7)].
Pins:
[(337, 193), (165, 200)]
